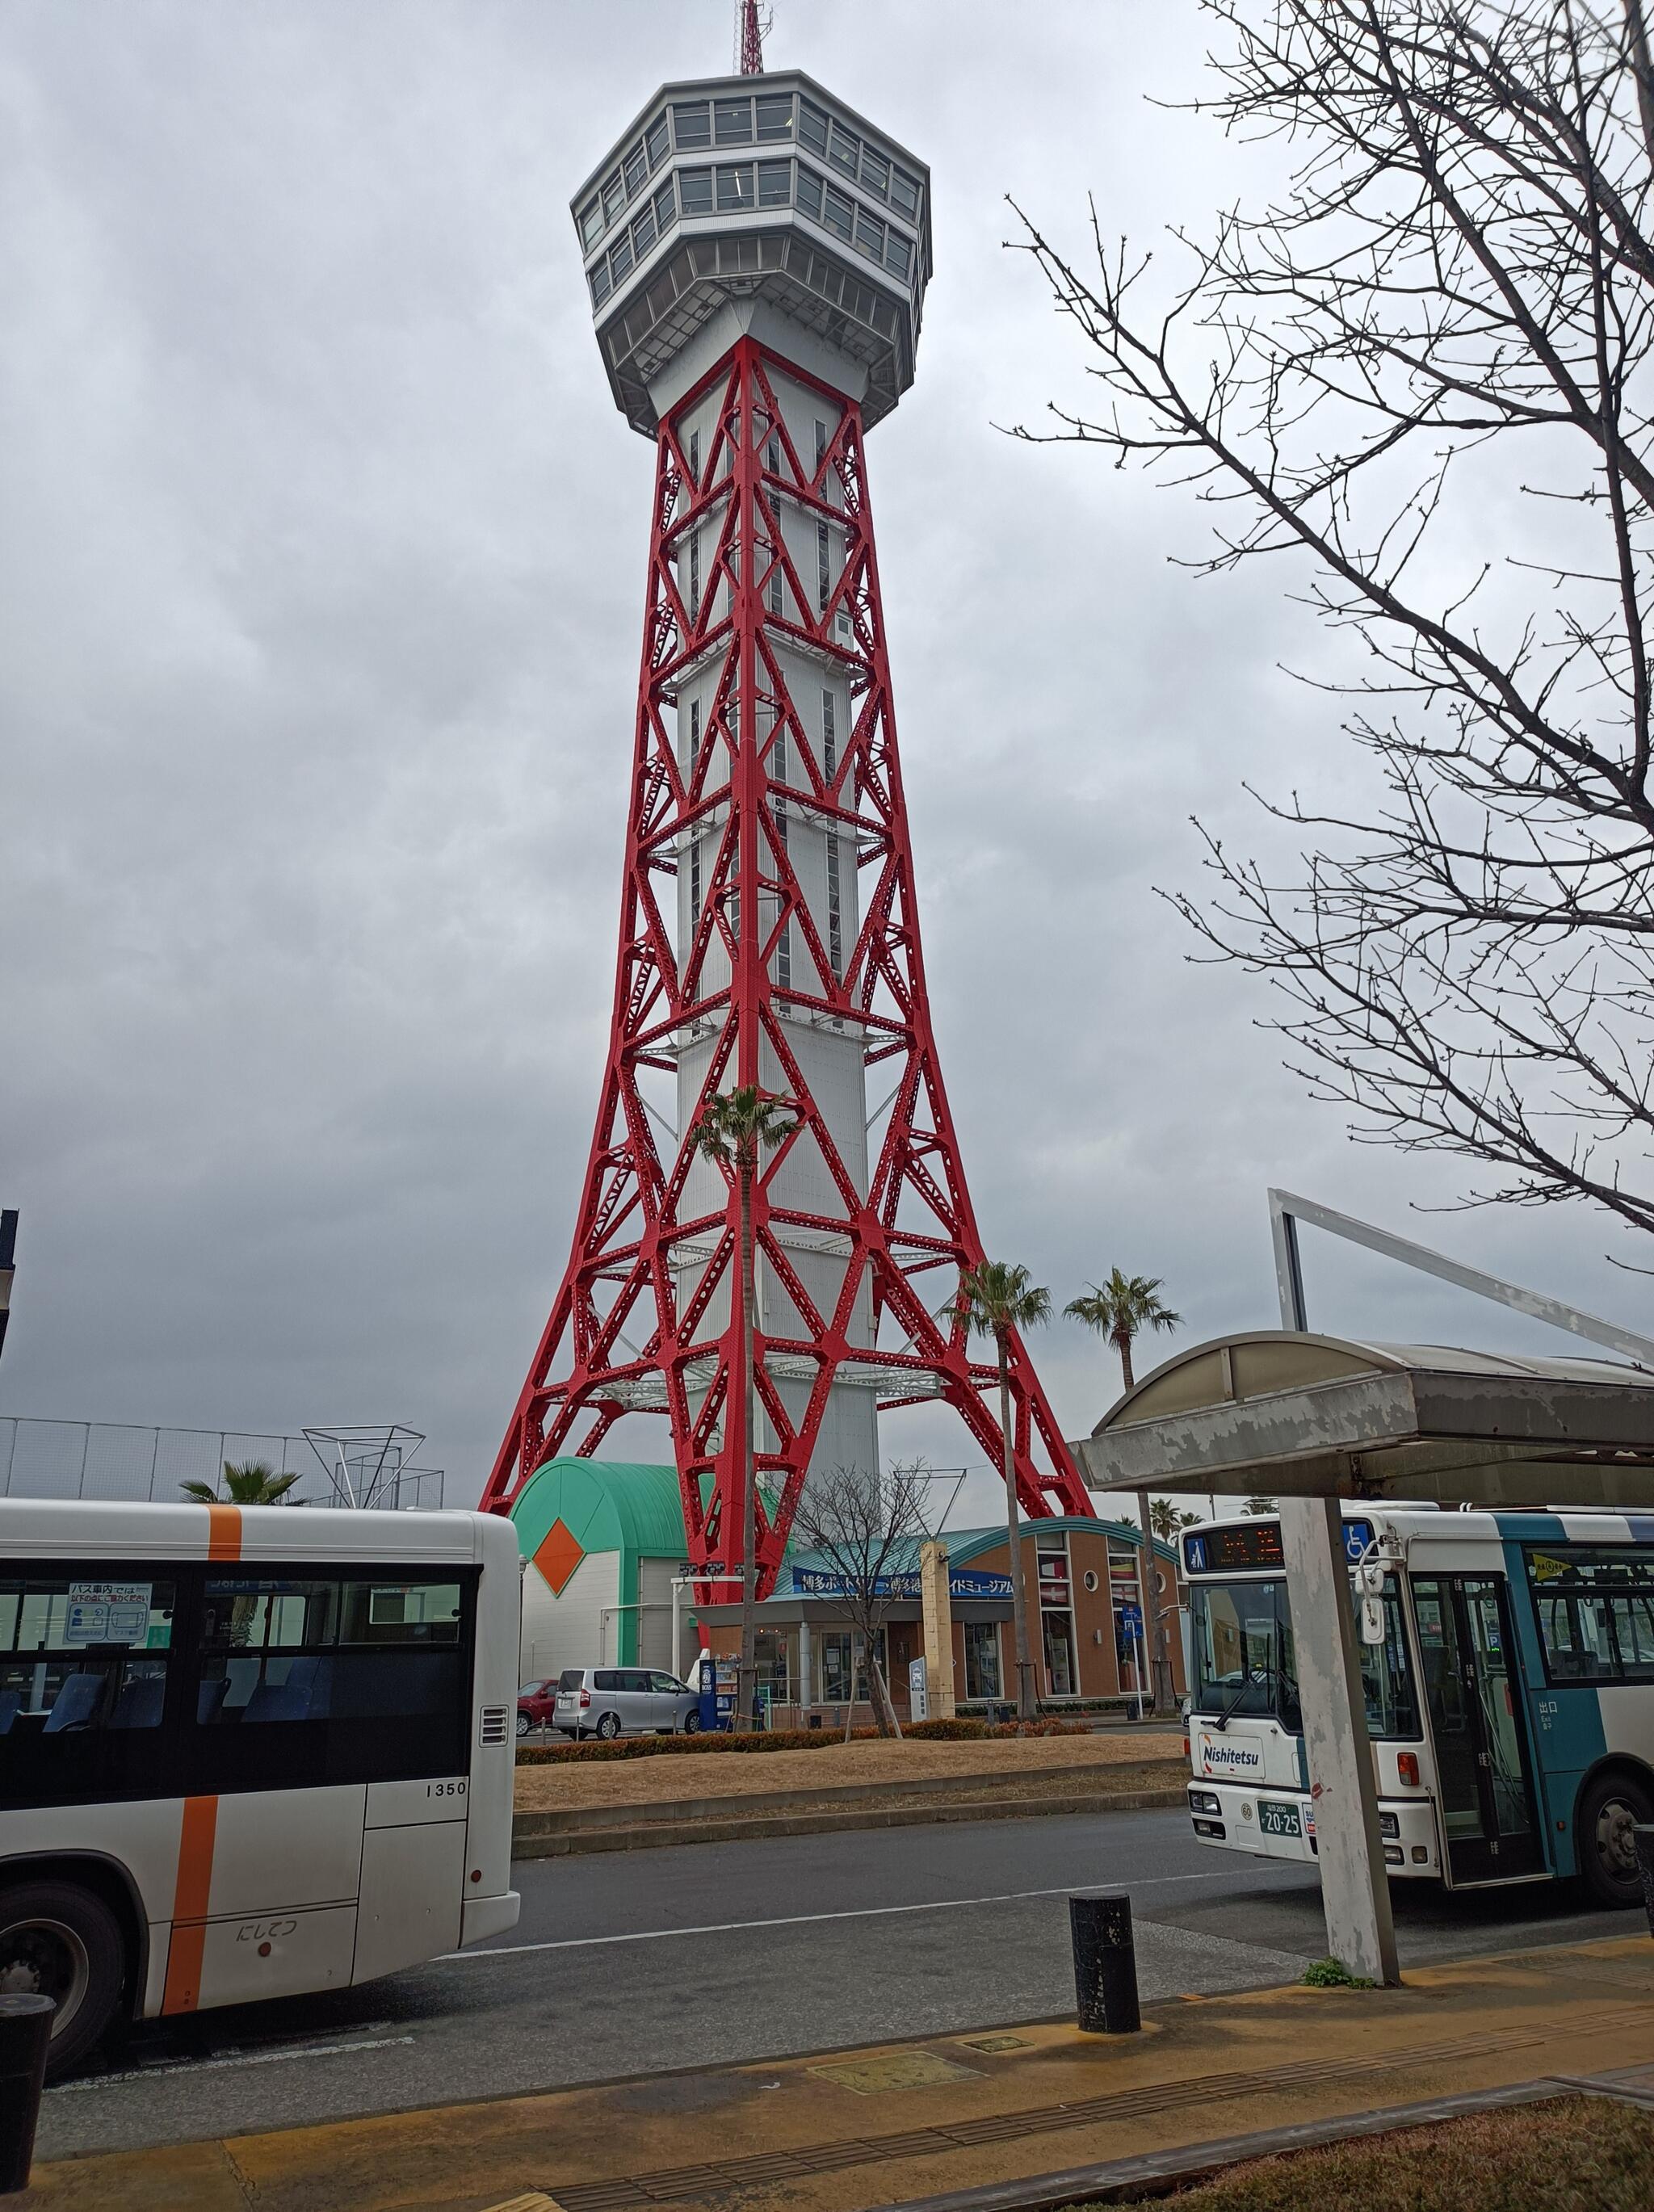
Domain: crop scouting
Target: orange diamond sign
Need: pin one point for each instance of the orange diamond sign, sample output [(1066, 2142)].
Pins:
[(558, 1556)]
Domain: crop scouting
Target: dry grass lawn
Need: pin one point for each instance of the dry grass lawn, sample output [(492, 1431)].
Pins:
[(728, 1774), (1583, 2155)]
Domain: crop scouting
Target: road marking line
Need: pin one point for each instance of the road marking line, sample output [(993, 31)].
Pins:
[(805, 1919), (210, 2065)]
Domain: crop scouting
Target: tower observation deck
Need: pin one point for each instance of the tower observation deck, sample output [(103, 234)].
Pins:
[(757, 255)]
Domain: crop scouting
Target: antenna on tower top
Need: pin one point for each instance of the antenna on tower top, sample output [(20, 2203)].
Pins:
[(751, 24)]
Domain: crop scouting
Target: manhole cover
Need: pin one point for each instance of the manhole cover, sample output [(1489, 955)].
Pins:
[(902, 2070), (997, 2043)]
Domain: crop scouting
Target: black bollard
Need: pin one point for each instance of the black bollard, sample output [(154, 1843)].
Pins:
[(1644, 1833), (1106, 1965), (25, 2032)]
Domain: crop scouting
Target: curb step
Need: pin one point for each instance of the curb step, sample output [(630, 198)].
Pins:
[(535, 1842)]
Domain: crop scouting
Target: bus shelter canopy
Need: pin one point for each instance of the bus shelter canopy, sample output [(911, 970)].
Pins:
[(1300, 1415)]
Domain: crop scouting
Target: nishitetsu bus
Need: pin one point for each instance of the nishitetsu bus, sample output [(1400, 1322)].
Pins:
[(248, 1753), (1511, 1703)]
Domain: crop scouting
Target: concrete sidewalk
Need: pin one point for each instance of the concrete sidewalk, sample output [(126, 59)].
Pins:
[(848, 2130)]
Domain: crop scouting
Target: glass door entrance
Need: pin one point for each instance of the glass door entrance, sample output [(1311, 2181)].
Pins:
[(1481, 1756)]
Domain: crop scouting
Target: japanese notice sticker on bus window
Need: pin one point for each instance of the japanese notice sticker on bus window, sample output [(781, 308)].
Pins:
[(1429, 1613), (1544, 1568), (108, 1612)]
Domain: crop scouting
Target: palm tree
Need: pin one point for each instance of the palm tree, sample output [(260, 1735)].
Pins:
[(253, 1483), (1118, 1310), (734, 1127), (1168, 1521), (997, 1299)]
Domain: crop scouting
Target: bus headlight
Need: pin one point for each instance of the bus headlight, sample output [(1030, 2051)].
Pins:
[(1203, 1801)]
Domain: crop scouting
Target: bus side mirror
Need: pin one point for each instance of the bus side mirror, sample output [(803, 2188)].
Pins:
[(1372, 1621)]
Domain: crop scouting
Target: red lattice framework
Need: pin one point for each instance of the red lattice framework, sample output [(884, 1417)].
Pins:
[(624, 1330)]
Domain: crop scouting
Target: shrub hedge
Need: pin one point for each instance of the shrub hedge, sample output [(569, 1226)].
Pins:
[(653, 1747)]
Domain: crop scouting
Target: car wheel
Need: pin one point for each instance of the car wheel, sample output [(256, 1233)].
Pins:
[(609, 1726), (522, 1723), (1609, 1812), (691, 1724), (62, 1942)]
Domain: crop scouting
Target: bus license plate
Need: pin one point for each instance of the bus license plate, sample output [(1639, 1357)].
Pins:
[(1278, 1820)]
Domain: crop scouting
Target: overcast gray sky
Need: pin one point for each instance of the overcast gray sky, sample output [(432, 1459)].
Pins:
[(321, 559)]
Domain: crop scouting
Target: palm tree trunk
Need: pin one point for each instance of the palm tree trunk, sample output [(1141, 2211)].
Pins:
[(1027, 1704), (746, 1681)]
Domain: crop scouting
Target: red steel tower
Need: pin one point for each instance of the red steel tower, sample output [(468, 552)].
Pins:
[(757, 255)]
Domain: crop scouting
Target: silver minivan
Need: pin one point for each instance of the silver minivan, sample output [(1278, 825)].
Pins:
[(611, 1701)]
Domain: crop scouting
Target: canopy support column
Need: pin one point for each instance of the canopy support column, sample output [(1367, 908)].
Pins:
[(1354, 1886)]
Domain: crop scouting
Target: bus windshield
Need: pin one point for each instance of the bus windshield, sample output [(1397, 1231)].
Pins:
[(1243, 1660)]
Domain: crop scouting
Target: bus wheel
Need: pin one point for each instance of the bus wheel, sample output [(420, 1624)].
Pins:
[(1609, 1813), (61, 1941)]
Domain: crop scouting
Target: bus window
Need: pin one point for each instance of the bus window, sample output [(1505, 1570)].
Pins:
[(1245, 1661), (1238, 1635), (1595, 1610), (83, 1666), (355, 1677)]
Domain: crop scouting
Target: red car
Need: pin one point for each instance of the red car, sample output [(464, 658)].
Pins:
[(534, 1703)]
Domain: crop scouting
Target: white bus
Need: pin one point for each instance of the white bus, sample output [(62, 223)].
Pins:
[(1510, 1702), (248, 1753)]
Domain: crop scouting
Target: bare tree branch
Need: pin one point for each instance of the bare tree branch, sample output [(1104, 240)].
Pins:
[(1446, 315)]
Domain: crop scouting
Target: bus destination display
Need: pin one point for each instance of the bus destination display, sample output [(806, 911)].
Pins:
[(1242, 1545)]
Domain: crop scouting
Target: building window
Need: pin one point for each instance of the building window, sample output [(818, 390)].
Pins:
[(776, 115), (695, 190), (657, 143), (843, 149), (777, 587), (642, 233), (601, 286), (810, 192), (824, 565), (904, 194), (694, 574), (614, 196), (636, 167), (836, 1669), (821, 444), (733, 122), (591, 223), (835, 911), (869, 235), (774, 184), (1058, 1636), (695, 457), (737, 189), (898, 254), (838, 213), (829, 736), (692, 125), (875, 173), (694, 883), (982, 1654), (620, 257), (813, 128), (666, 208), (693, 752)]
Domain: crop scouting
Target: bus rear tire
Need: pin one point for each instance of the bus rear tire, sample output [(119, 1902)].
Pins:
[(1609, 1809), (62, 1941)]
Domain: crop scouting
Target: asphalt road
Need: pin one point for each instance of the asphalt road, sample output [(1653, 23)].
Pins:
[(645, 1962)]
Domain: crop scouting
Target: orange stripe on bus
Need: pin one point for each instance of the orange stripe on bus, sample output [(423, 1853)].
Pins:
[(190, 1899), (223, 1531)]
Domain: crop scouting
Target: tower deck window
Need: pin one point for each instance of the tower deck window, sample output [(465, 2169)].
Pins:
[(829, 736), (692, 125), (774, 184), (738, 189), (695, 190), (776, 115), (824, 565), (733, 122)]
